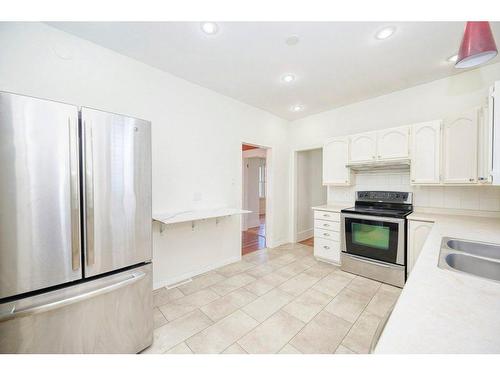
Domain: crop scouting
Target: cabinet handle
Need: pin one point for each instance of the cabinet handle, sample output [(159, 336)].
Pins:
[(326, 234), (326, 215), (326, 225), (471, 179), (326, 247)]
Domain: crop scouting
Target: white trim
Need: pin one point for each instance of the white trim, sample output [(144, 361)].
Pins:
[(269, 191), (305, 234), (293, 230), (184, 277)]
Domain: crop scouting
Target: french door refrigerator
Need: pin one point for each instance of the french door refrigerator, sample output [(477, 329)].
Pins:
[(75, 229)]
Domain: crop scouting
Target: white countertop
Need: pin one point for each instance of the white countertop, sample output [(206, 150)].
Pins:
[(441, 311), (194, 215), (333, 207)]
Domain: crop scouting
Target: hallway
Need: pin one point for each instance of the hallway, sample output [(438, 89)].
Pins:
[(254, 239)]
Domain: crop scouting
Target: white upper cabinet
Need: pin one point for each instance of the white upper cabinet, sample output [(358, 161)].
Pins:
[(335, 158), (393, 143), (363, 147), (460, 148), (425, 153), (484, 144)]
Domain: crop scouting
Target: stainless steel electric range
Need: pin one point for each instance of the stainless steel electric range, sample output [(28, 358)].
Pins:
[(373, 235)]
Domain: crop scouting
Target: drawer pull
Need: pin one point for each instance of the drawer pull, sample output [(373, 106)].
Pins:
[(326, 215), (326, 225), (326, 247), (326, 234)]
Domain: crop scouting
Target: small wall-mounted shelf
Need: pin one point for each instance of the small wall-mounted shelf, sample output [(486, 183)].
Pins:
[(167, 218)]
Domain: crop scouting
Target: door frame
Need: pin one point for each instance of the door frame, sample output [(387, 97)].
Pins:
[(294, 179), (269, 191)]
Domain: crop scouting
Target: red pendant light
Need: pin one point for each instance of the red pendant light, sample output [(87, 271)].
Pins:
[(478, 45)]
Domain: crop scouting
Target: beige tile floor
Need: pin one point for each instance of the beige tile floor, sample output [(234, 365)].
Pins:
[(279, 300)]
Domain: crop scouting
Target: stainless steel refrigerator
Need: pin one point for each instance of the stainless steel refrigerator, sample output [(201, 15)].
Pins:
[(75, 229)]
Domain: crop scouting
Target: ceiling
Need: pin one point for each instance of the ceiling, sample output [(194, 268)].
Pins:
[(335, 63)]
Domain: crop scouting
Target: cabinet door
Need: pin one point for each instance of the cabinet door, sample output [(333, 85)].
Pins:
[(425, 153), (460, 149), (327, 249), (417, 235), (393, 143), (363, 147), (335, 157), (484, 144)]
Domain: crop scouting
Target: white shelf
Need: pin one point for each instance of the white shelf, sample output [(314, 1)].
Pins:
[(195, 215)]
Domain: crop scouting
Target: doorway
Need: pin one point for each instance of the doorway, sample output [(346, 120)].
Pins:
[(310, 192), (254, 228)]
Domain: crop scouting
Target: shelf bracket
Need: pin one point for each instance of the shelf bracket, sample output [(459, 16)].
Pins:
[(192, 225), (162, 228)]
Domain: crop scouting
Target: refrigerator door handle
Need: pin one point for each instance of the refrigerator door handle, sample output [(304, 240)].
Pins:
[(56, 304), (74, 194), (89, 188)]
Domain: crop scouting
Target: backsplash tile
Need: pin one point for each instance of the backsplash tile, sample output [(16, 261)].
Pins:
[(485, 198)]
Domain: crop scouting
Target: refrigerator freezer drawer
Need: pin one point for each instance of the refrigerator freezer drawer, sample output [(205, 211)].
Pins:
[(113, 314)]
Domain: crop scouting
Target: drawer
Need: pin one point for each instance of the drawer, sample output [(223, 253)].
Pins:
[(325, 224), (326, 234), (327, 249), (327, 215)]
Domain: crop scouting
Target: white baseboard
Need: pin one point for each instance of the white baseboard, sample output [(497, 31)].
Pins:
[(305, 234), (276, 243), (188, 275)]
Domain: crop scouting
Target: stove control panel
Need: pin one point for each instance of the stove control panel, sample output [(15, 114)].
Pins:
[(385, 196)]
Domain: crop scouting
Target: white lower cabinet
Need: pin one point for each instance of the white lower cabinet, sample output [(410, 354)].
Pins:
[(327, 249), (417, 235), (327, 236)]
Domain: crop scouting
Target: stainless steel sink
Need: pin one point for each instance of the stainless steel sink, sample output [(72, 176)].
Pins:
[(474, 265), (475, 248), (475, 258)]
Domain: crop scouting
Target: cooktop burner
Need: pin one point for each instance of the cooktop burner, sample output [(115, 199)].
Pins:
[(382, 203)]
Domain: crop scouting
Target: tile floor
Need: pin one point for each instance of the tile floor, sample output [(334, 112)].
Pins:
[(279, 300)]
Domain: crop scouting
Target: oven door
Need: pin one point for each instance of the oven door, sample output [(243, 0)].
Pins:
[(374, 237)]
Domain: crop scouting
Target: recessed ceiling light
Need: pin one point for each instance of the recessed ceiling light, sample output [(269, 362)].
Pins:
[(385, 33), (288, 78), (452, 59), (297, 108), (292, 40), (209, 28)]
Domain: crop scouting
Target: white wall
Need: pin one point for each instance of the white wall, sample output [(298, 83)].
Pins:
[(196, 137), (310, 190), (433, 100)]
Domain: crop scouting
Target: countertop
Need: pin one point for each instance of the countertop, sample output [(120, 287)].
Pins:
[(441, 311), (333, 207)]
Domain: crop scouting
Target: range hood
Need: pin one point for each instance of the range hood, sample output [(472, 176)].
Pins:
[(388, 165)]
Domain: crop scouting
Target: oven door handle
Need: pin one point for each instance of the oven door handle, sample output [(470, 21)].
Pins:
[(373, 218), (371, 261)]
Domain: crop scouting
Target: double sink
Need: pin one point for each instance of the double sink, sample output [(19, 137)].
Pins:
[(475, 258)]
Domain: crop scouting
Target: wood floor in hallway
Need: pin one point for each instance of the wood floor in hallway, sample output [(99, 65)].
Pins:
[(254, 239)]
